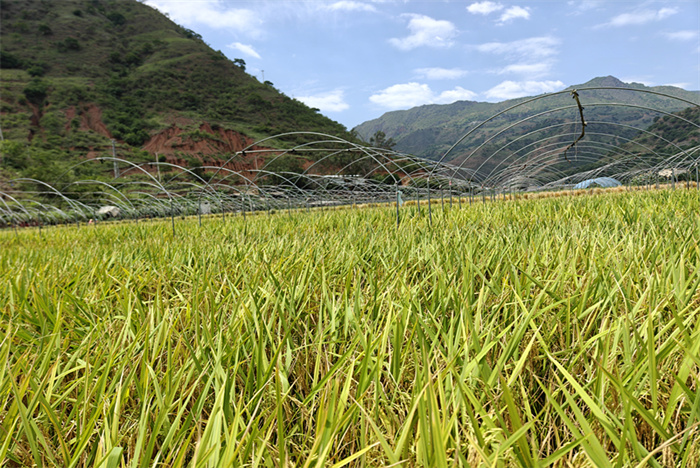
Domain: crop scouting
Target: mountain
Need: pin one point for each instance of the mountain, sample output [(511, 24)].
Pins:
[(75, 74), (430, 131), (676, 131), (667, 136)]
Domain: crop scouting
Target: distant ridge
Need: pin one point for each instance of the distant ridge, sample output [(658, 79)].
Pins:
[(430, 130)]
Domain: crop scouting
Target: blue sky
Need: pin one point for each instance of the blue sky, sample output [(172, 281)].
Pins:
[(357, 59)]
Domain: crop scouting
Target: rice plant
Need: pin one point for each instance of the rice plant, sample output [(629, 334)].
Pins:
[(553, 332)]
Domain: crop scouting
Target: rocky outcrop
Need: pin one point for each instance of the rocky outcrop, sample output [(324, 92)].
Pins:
[(212, 145), (90, 119), (206, 140)]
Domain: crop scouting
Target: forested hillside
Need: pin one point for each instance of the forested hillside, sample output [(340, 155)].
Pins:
[(76, 74)]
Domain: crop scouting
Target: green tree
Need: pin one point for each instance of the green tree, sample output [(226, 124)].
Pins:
[(69, 43), (379, 140), (239, 63), (35, 92), (116, 18), (8, 60), (13, 154), (44, 29)]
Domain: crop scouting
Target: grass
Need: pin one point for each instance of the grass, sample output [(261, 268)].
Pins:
[(552, 332)]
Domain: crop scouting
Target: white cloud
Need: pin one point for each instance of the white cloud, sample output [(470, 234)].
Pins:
[(348, 5), (516, 89), (514, 12), (582, 6), (406, 95), (244, 48), (533, 48), (212, 13), (532, 58), (403, 96), (678, 85), (426, 31), (531, 70), (457, 94), (687, 35), (332, 101), (666, 12), (440, 73), (510, 13), (640, 17), (484, 8), (637, 79)]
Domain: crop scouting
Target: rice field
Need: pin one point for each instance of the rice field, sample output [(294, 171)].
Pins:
[(554, 332)]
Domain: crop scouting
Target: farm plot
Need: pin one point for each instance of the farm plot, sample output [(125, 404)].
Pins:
[(554, 332)]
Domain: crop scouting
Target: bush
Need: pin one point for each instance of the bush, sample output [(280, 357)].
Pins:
[(7, 60), (37, 70), (117, 19), (189, 34), (35, 92), (70, 43), (44, 29), (53, 123), (74, 95), (132, 59), (13, 154), (21, 26), (136, 138)]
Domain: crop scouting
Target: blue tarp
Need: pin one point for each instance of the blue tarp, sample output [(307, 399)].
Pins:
[(604, 182)]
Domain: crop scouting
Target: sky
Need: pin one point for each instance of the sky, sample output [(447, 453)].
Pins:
[(354, 60)]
